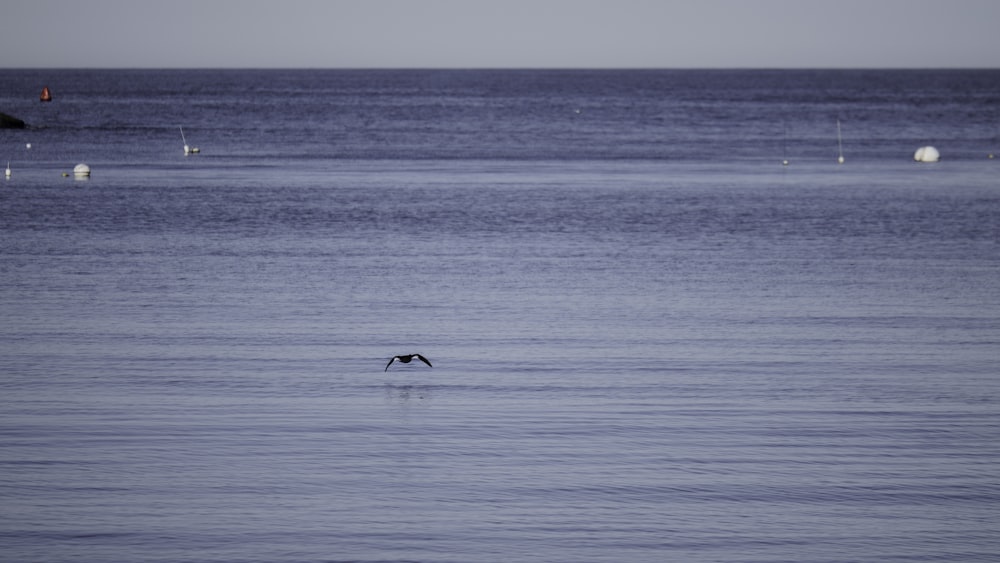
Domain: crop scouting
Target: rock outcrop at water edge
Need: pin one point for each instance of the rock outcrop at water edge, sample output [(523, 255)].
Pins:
[(10, 122)]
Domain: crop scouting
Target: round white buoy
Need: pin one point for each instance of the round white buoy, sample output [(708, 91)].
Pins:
[(81, 171), (927, 154), (7, 172), (27, 146), (840, 160)]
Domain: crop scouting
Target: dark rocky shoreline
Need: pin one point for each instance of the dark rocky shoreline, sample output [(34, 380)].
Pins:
[(10, 122)]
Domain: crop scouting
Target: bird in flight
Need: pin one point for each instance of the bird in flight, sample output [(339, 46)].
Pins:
[(406, 358)]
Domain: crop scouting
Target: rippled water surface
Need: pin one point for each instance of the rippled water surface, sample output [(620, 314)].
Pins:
[(641, 352)]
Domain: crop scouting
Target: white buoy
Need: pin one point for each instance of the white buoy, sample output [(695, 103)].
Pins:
[(27, 146), (784, 145), (188, 150), (7, 172), (927, 154), (81, 171), (840, 146)]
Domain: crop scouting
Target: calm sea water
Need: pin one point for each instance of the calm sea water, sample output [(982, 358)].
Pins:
[(651, 341)]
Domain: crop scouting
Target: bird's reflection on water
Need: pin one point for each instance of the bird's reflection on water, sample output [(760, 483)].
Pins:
[(408, 395)]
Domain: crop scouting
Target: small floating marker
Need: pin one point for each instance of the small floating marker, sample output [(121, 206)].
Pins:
[(27, 147), (990, 156), (784, 145), (840, 146), (7, 172), (81, 171), (45, 96), (188, 150), (927, 154)]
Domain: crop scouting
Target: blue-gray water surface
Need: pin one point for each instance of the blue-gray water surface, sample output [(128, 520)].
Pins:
[(651, 341)]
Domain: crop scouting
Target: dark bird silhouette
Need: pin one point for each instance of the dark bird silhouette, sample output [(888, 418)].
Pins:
[(406, 358)]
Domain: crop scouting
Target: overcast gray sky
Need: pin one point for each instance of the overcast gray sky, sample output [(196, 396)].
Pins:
[(500, 33)]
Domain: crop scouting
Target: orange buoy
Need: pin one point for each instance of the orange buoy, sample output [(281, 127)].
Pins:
[(46, 95)]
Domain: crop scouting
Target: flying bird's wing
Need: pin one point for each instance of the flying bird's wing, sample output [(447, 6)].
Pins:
[(423, 359), (390, 363)]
